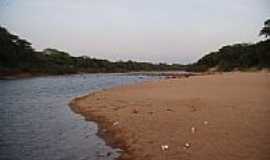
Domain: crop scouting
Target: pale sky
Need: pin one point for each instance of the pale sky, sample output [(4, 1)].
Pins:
[(171, 31)]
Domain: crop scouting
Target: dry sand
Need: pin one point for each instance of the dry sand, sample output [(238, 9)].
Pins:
[(213, 117)]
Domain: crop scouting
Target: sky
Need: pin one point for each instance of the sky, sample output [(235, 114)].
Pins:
[(170, 31)]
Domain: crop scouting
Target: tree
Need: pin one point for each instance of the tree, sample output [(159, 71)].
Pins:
[(266, 29), (17, 55)]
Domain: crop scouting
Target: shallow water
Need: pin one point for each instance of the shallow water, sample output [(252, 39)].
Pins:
[(37, 124)]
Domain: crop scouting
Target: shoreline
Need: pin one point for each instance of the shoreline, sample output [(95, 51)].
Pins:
[(112, 136), (105, 131), (112, 108), (169, 74)]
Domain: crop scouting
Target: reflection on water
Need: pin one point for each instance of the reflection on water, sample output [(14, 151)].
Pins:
[(37, 124)]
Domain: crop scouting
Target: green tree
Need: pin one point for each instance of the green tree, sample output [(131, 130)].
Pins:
[(266, 29)]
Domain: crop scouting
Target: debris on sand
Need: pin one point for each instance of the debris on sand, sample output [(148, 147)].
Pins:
[(193, 129), (169, 110), (150, 113), (205, 122), (135, 111), (193, 108), (187, 145), (164, 147), (115, 123)]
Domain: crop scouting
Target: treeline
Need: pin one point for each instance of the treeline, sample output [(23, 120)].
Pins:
[(17, 56), (236, 57)]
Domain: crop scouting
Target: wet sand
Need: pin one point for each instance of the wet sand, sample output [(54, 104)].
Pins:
[(211, 117)]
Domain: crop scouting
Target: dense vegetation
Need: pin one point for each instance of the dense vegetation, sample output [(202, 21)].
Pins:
[(266, 29), (17, 56), (238, 56)]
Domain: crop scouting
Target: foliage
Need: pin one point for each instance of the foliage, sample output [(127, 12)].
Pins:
[(266, 29), (237, 56), (17, 55)]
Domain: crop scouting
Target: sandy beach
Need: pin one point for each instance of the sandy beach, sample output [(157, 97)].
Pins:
[(212, 117)]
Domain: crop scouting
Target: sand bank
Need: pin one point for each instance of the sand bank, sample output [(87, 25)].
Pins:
[(223, 116)]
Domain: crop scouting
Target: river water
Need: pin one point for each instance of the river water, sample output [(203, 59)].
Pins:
[(36, 122)]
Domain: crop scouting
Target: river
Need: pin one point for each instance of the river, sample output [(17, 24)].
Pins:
[(36, 122)]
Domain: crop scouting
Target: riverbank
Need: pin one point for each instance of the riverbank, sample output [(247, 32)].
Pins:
[(167, 74), (220, 116)]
